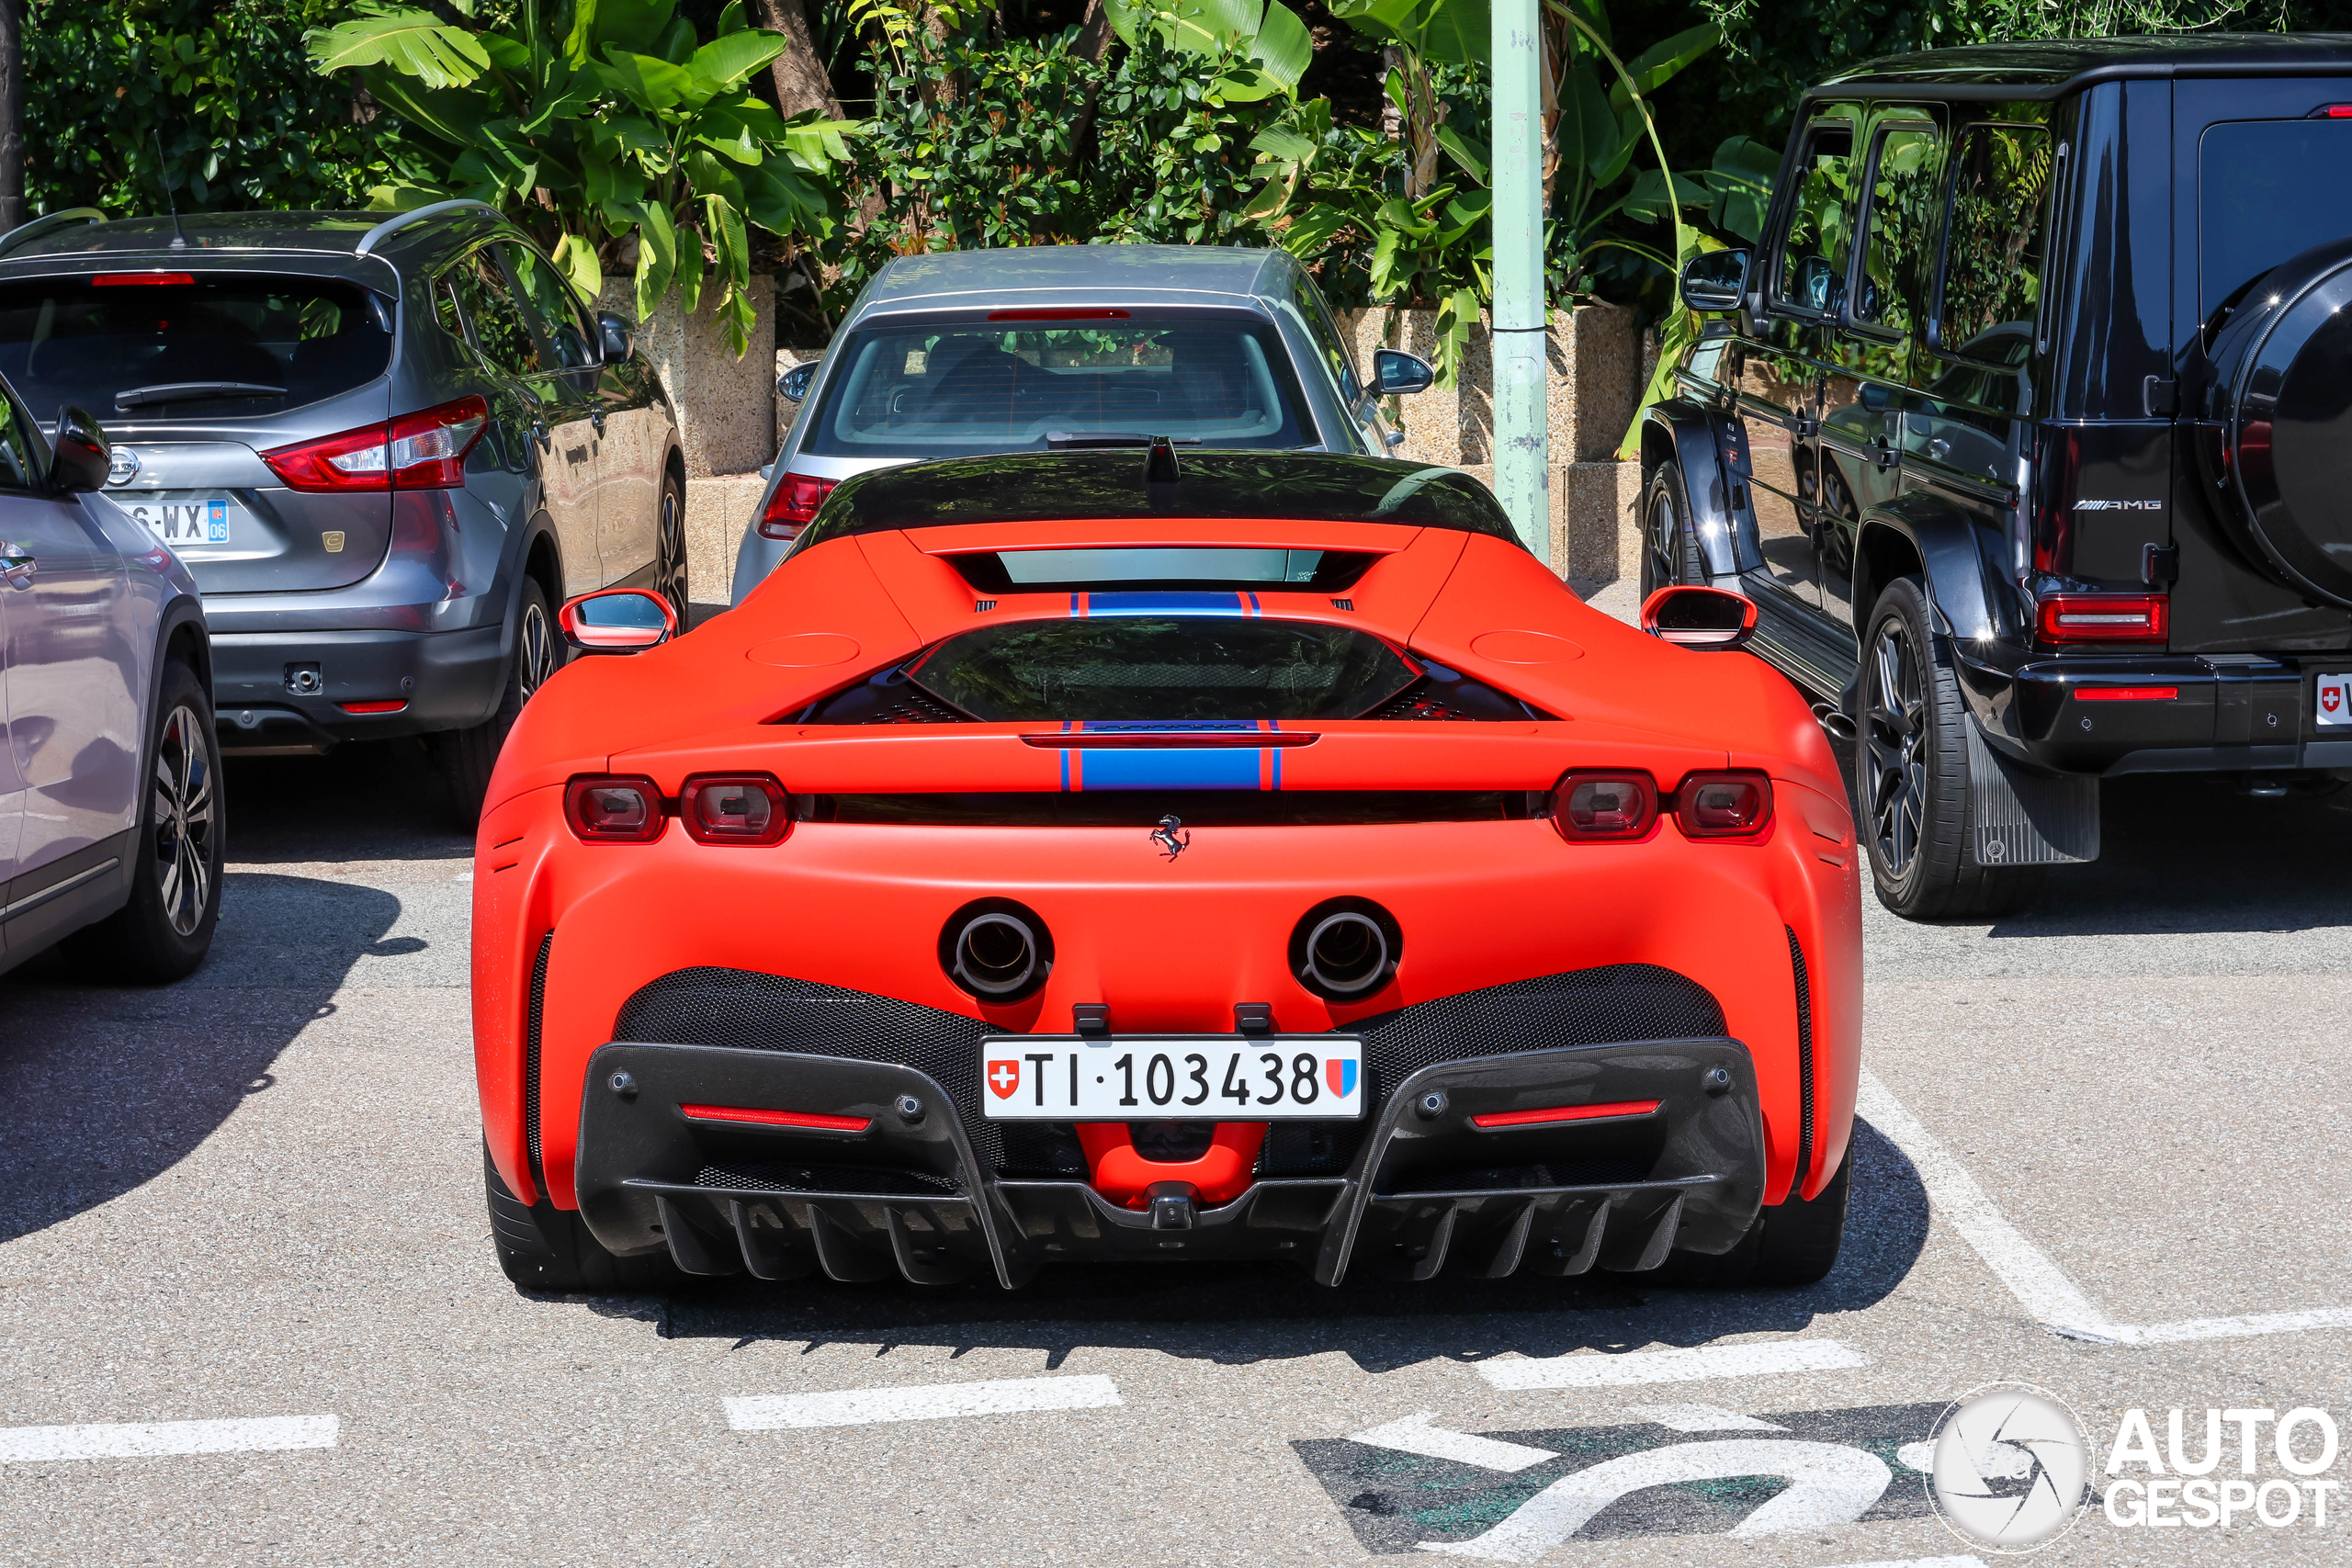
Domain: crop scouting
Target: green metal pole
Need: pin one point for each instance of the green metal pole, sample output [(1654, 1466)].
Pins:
[(1522, 450)]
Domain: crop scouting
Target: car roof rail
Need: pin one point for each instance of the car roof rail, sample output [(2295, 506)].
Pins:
[(390, 226), (45, 224)]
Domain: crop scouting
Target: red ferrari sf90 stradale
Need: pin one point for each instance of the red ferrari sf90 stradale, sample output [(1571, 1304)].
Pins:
[(1095, 855)]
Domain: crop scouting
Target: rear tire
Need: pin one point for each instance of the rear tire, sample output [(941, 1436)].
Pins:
[(1801, 1238), (1911, 773), (670, 549), (164, 932), (542, 1247), (1669, 542), (465, 757)]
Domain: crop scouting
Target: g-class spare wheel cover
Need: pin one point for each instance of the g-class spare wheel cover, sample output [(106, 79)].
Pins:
[(2281, 398)]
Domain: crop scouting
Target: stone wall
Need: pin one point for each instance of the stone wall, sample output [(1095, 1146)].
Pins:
[(723, 403), (1595, 374)]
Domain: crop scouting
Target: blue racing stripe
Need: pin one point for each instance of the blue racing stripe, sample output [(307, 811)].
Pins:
[(1188, 768), (1168, 725), (1166, 604)]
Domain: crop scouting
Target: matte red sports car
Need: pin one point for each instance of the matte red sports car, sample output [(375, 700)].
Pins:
[(1111, 855)]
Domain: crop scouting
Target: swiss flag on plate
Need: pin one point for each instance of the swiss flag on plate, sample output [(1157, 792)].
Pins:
[(2334, 703), (1003, 1078)]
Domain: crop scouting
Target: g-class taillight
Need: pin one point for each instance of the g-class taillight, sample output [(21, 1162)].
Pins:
[(2102, 617), (614, 810), (1599, 806)]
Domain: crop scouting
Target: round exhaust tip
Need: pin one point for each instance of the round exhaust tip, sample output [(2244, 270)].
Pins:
[(996, 949), (1345, 949)]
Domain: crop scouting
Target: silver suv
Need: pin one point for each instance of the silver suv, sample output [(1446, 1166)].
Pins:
[(1034, 348), (385, 447)]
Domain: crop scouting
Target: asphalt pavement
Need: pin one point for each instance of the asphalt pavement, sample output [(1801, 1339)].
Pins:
[(251, 1313)]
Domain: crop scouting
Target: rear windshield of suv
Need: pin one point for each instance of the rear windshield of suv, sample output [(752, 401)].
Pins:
[(1010, 382), (201, 346), (2266, 190)]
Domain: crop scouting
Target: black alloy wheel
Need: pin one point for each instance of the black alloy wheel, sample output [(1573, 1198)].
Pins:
[(186, 849), (534, 646), (164, 928), (669, 550), (1911, 773), (1669, 542)]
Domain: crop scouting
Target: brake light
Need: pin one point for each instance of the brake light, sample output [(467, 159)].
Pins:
[(735, 808), (1089, 313), (1724, 806), (425, 450), (2126, 693), (2103, 617), (812, 1120), (1592, 807), (1564, 1113), (118, 279), (793, 505), (2331, 111), (614, 810)]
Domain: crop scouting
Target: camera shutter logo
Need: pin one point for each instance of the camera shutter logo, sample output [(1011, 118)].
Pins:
[(2010, 1468)]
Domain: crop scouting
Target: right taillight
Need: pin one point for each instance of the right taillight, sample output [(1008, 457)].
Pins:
[(1596, 807), (735, 808), (1724, 806), (614, 810), (2102, 617), (793, 505), (425, 450)]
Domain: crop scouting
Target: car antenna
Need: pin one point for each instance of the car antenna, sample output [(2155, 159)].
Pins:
[(163, 173), (1159, 462)]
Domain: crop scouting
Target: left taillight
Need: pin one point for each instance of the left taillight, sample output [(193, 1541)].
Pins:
[(735, 808), (1724, 806), (794, 505), (614, 810), (425, 450), (1598, 807)]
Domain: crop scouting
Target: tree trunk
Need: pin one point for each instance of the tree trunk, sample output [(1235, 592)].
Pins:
[(801, 84), (12, 114), (1094, 35)]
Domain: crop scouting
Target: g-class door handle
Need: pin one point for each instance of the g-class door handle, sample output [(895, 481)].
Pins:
[(1884, 454), (16, 566), (539, 435)]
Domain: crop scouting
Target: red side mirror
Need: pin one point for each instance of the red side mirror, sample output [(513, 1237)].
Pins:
[(1699, 617), (617, 620)]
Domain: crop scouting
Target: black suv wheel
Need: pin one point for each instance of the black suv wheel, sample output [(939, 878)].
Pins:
[(1911, 772), (1670, 543)]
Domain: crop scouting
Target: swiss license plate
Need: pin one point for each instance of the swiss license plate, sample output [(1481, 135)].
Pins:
[(2332, 700), (1198, 1077), (201, 521)]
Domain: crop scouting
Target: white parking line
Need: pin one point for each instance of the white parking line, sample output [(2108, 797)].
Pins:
[(1414, 1435), (1594, 1369), (1922, 1563), (2040, 1285), (1699, 1419), (152, 1439), (929, 1402)]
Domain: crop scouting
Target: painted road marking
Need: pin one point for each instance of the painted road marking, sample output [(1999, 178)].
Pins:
[(1594, 1369), (1829, 1484), (2031, 1275), (927, 1402), (155, 1440), (1699, 1419), (1414, 1435), (1921, 1562)]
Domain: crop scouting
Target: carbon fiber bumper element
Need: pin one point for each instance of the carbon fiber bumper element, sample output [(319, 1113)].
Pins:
[(907, 1194)]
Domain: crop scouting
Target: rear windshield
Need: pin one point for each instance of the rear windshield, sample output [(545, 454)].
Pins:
[(216, 344), (1179, 667), (2266, 190), (989, 385)]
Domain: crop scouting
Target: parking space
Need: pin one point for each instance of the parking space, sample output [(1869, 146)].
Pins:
[(251, 1315)]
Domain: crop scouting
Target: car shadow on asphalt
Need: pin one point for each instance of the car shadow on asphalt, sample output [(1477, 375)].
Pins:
[(379, 800), (1237, 1313), (110, 1087)]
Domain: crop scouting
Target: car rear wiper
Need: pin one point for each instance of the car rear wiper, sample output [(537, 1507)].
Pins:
[(192, 391), (1068, 440)]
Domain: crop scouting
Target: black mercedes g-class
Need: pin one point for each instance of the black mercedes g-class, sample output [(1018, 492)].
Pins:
[(2029, 429)]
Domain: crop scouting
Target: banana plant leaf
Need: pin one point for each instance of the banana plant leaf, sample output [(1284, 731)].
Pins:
[(412, 42)]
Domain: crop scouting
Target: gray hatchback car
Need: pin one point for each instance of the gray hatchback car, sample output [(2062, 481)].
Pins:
[(1036, 347), (386, 448)]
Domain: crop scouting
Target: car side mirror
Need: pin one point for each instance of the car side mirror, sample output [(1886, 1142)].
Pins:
[(617, 620), (1699, 617), (1713, 282), (793, 385), (81, 454), (614, 337), (1395, 373)]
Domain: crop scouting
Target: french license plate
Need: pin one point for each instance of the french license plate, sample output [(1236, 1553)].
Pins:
[(1200, 1078), (2332, 700), (203, 522)]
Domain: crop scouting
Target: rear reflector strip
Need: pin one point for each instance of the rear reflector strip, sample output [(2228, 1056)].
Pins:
[(392, 706), (2126, 693), (813, 1121), (1564, 1113)]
